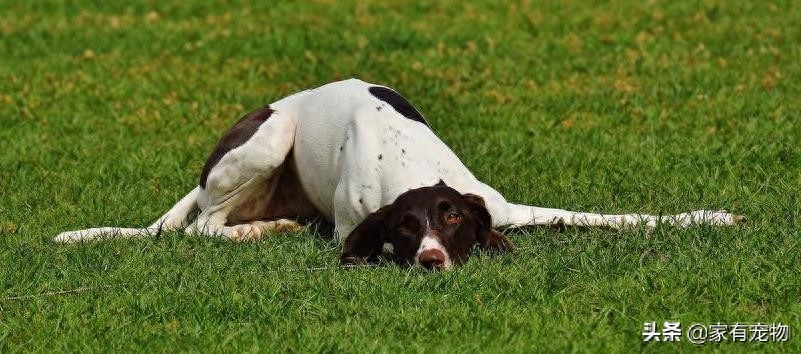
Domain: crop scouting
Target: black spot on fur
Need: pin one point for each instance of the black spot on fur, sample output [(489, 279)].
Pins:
[(380, 157), (397, 102), (240, 133)]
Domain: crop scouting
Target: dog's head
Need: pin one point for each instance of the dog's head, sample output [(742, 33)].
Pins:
[(436, 227)]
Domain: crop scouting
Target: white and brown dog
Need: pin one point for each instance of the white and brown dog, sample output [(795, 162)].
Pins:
[(362, 157)]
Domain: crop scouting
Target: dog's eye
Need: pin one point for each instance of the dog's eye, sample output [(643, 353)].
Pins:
[(453, 218)]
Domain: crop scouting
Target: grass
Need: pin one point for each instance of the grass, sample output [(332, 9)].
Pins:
[(108, 109)]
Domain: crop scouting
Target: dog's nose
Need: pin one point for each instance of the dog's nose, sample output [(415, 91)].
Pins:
[(432, 259)]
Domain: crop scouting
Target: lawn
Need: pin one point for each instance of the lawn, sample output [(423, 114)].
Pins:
[(108, 110)]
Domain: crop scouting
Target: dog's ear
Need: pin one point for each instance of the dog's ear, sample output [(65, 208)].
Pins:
[(489, 240), (366, 241)]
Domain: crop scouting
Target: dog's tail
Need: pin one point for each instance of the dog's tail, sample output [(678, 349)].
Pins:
[(177, 218)]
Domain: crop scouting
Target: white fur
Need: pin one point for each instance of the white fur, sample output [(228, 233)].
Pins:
[(336, 133), (431, 242)]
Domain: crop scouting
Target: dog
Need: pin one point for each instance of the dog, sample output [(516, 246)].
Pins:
[(362, 157)]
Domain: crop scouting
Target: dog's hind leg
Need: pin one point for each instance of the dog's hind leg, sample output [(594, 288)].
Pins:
[(253, 230), (175, 219), (241, 175), (244, 162)]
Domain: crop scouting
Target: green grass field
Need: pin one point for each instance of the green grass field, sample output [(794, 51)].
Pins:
[(108, 110)]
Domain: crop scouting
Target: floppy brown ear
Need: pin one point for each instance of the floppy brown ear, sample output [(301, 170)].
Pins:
[(365, 242), (488, 239)]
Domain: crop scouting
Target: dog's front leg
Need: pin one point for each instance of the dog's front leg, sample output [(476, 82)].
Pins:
[(505, 214), (524, 215)]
